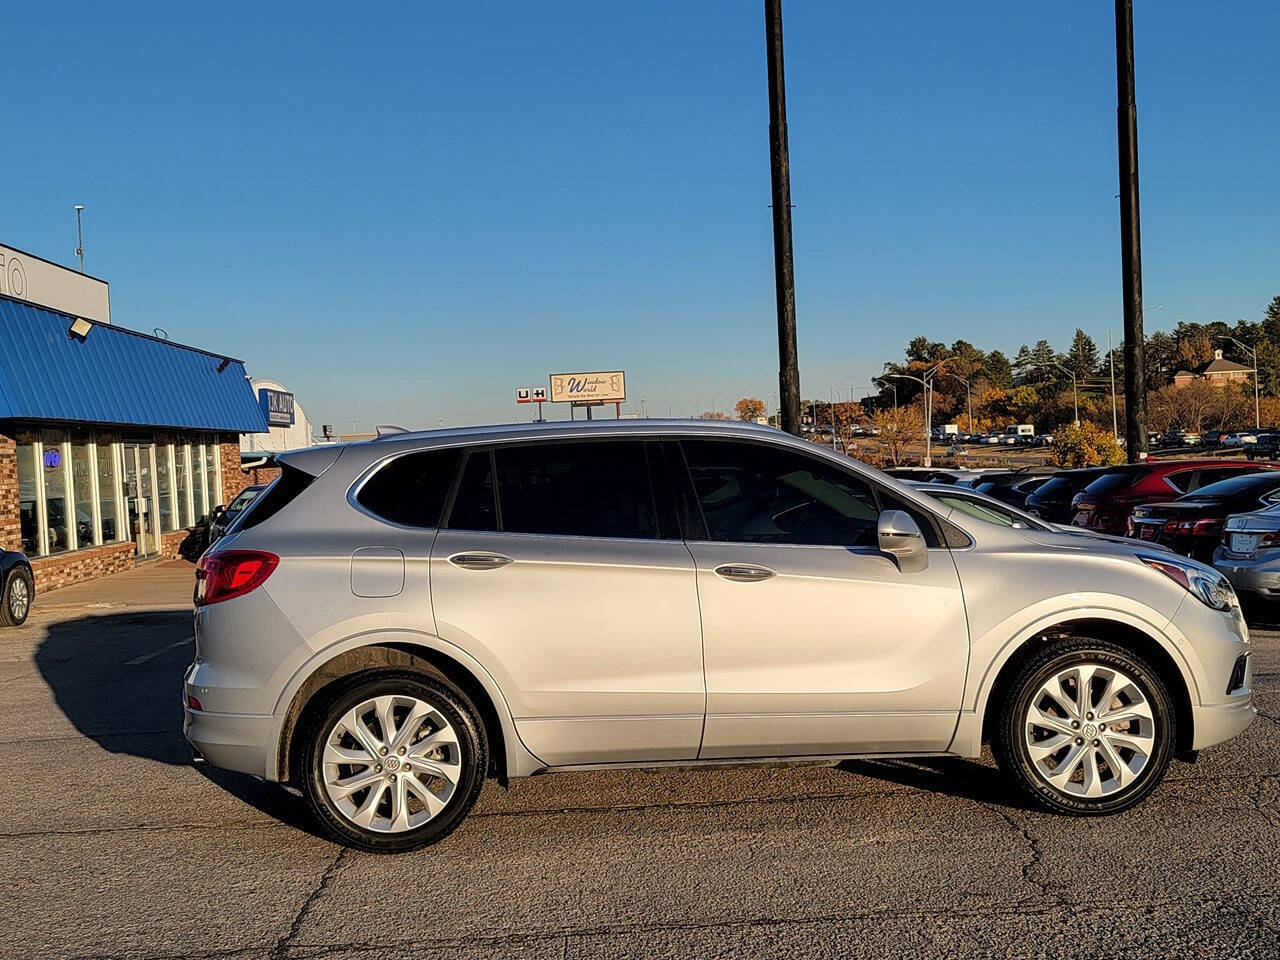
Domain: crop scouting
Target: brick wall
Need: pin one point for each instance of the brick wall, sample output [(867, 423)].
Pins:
[(10, 512), (62, 570), (235, 479)]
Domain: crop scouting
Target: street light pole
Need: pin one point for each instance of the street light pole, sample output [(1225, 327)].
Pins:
[(928, 404), (968, 393), (1111, 358), (1257, 406)]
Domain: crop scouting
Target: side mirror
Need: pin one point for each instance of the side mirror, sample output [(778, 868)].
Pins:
[(900, 538)]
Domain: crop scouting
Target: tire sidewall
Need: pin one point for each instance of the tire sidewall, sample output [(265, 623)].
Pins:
[(7, 615), (462, 716), (1055, 659)]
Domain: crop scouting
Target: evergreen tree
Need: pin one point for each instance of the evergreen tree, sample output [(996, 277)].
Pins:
[(1082, 356), (997, 371)]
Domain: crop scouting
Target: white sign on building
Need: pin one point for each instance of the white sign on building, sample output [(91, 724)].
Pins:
[(600, 387), (25, 276)]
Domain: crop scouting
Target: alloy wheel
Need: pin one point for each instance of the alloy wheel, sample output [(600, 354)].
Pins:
[(19, 598), (391, 763), (1089, 731)]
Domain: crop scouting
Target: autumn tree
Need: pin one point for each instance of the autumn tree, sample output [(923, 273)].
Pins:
[(749, 409), (899, 428), (1193, 352), (1086, 445)]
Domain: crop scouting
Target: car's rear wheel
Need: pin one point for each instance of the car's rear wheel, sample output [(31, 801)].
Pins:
[(1087, 728), (394, 761), (15, 598)]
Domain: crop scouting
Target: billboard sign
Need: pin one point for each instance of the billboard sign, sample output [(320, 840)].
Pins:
[(277, 406), (606, 387)]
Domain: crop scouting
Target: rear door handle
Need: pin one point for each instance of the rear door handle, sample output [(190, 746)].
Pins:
[(744, 572), (479, 561)]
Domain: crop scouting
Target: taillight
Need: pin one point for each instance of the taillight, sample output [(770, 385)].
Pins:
[(1197, 528), (231, 574)]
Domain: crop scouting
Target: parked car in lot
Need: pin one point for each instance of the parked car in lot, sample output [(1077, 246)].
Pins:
[(1266, 446), (1238, 439), (223, 517), (393, 621), (1192, 524), (1106, 504), (1249, 553), (17, 588), (1012, 486), (1051, 500)]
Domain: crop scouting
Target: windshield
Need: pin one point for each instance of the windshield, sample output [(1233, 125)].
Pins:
[(989, 512), (1258, 483), (242, 500)]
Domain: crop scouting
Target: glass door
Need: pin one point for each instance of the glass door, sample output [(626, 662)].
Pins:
[(139, 490)]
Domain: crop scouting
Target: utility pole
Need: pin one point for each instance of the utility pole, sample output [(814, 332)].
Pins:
[(1135, 387), (1111, 358), (79, 237), (783, 268)]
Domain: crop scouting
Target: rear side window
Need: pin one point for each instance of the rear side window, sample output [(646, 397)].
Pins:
[(282, 492), (411, 489), (475, 507), (589, 489)]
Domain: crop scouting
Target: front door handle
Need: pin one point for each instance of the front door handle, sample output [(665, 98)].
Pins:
[(744, 572), (479, 561)]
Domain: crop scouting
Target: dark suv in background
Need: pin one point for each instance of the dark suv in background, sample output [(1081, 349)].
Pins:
[(1106, 504), (1051, 500)]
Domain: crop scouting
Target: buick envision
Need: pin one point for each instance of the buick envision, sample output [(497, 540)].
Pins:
[(393, 621)]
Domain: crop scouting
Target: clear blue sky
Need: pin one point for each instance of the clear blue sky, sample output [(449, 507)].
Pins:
[(406, 216)]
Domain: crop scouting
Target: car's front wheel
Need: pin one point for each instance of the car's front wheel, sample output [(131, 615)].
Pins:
[(1086, 728), (15, 598), (394, 761)]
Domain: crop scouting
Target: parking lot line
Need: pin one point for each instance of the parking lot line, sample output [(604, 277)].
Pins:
[(155, 653)]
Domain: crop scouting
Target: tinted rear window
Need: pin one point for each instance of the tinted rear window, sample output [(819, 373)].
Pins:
[(282, 492), (411, 489), (474, 507), (1115, 481)]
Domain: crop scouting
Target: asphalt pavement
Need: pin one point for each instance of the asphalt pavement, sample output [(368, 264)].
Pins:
[(113, 844)]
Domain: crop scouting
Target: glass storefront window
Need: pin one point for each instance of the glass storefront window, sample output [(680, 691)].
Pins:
[(27, 492), (182, 465), (107, 469), (164, 484), (82, 469), (211, 474), (58, 513)]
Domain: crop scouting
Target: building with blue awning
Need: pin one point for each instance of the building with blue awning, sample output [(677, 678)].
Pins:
[(113, 443)]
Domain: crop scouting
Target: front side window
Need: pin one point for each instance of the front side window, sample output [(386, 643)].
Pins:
[(411, 489), (586, 489), (756, 493)]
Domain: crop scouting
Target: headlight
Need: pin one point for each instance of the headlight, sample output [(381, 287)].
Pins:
[(1208, 586)]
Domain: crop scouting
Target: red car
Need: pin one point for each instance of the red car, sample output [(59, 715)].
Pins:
[(1106, 505)]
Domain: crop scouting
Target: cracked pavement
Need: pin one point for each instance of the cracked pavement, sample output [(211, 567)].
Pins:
[(115, 845)]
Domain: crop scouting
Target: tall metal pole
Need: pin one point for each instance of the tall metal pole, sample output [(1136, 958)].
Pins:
[(783, 268), (79, 237), (1111, 357), (1135, 387)]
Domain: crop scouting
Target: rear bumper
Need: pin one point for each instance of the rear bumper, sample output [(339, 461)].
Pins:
[(233, 741), (1262, 579)]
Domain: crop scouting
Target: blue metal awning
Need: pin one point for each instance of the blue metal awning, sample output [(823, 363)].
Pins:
[(116, 376)]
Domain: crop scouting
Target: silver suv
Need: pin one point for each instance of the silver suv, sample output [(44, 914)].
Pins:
[(393, 621)]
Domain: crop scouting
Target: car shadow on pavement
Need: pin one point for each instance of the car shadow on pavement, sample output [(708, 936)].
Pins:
[(118, 679), (953, 776)]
